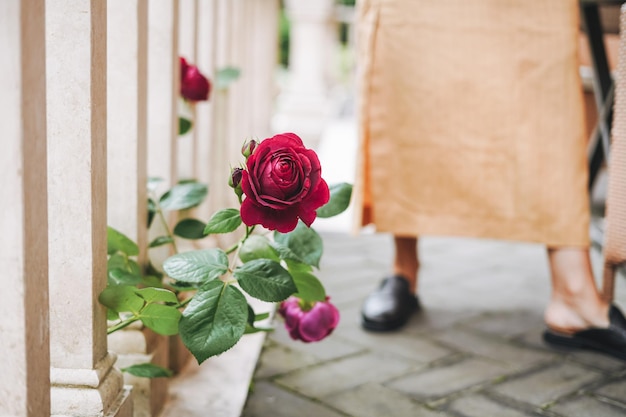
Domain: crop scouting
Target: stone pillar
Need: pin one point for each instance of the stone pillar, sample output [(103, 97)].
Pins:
[(304, 106), (127, 66), (127, 79), (163, 89), (188, 39), (25, 358), (205, 59), (264, 54), (84, 381)]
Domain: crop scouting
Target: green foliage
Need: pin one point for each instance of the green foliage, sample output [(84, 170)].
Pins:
[(265, 279), (197, 266), (224, 221), (340, 195), (189, 229), (226, 76), (184, 125), (148, 370), (214, 320), (118, 242), (303, 242), (183, 196)]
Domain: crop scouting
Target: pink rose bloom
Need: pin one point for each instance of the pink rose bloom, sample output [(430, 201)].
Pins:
[(282, 183), (311, 325), (193, 85)]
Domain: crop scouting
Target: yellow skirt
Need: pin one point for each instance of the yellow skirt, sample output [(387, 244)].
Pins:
[(471, 120)]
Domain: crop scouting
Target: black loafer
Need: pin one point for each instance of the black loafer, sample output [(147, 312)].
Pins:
[(390, 306), (609, 341)]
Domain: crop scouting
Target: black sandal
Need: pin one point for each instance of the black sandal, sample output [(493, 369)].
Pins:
[(610, 341)]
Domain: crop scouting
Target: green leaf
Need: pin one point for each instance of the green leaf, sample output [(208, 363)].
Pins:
[(261, 316), (189, 229), (148, 370), (162, 319), (257, 247), (340, 195), (197, 266), (117, 261), (152, 281), (226, 76), (184, 125), (152, 295), (183, 196), (251, 329), (153, 183), (296, 266), (224, 221), (121, 298), (160, 241), (309, 287), (214, 320), (304, 242), (265, 279), (117, 241), (112, 315), (119, 276)]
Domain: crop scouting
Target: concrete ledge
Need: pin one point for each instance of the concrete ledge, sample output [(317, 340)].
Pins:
[(219, 387)]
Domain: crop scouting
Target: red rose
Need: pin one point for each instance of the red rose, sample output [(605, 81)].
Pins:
[(193, 85), (282, 182), (310, 325)]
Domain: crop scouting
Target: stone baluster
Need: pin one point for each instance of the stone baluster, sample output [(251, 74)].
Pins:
[(83, 379), (127, 66), (127, 78), (304, 106), (203, 129), (25, 359), (163, 89), (188, 38)]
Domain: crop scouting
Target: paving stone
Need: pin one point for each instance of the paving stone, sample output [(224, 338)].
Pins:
[(494, 348), (508, 324), (374, 400), (268, 400), (443, 380), (596, 360), (277, 359), (346, 373), (615, 390), (327, 349), (403, 344), (548, 384), (586, 406), (481, 406)]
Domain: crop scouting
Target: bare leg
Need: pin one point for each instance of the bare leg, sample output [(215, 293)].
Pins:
[(406, 262), (575, 303)]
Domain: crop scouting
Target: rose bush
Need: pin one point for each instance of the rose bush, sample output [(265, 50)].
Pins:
[(282, 183), (203, 292)]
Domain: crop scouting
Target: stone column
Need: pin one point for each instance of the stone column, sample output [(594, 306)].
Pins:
[(163, 89), (127, 66), (188, 39), (127, 79), (304, 106), (25, 358), (205, 59), (84, 381)]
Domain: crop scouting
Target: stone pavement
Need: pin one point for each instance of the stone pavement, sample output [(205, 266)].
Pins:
[(474, 350)]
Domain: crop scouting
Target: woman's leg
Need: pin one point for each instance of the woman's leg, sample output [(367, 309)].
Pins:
[(575, 303), (391, 305), (406, 261)]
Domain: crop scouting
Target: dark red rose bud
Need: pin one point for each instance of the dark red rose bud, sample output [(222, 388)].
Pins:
[(235, 177), (193, 85), (248, 148)]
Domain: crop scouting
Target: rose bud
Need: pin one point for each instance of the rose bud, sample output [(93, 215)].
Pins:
[(235, 181), (248, 148), (309, 325), (282, 183), (193, 85)]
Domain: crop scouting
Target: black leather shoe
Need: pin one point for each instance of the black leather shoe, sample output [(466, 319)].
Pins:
[(609, 341), (390, 306)]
